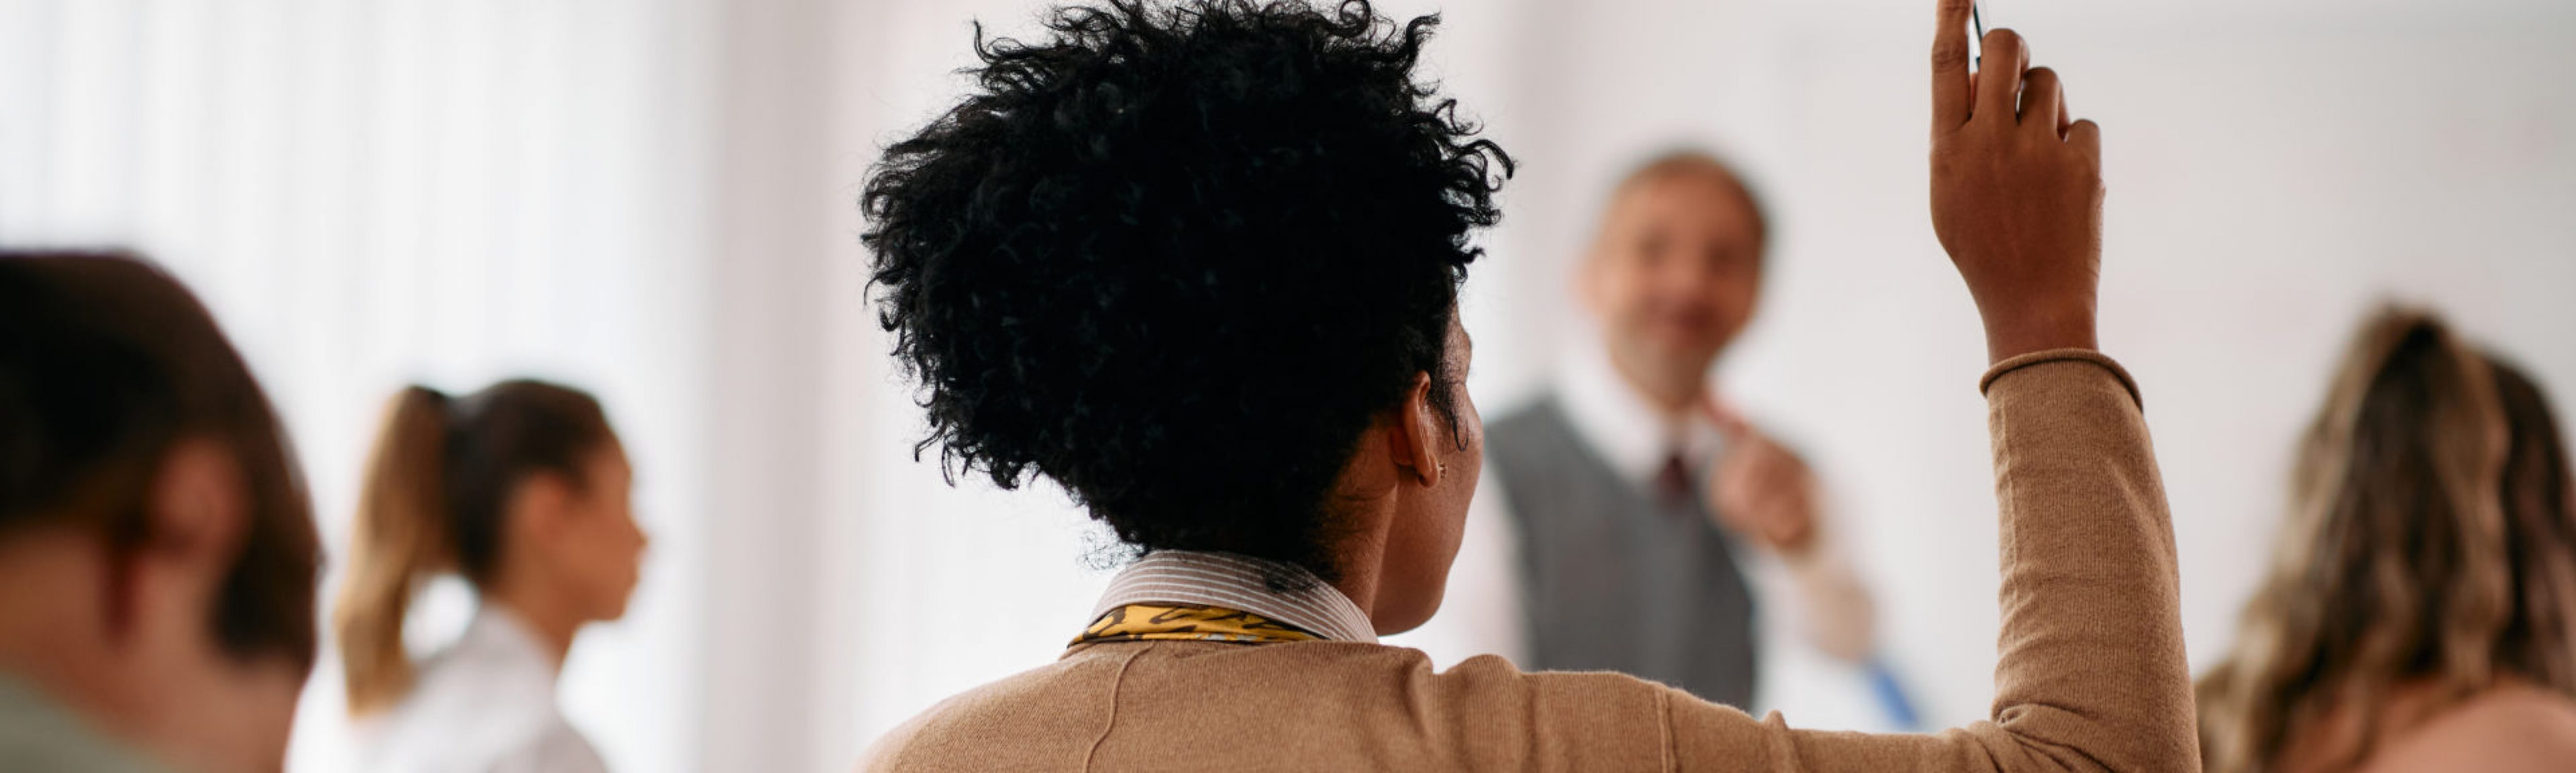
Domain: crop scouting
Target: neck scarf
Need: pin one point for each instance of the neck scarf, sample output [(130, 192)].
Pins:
[(1181, 622)]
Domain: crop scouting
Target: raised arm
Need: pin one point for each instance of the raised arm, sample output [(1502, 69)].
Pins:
[(2092, 674)]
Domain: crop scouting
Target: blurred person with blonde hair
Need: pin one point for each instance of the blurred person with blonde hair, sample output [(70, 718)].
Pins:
[(157, 551), (2420, 614), (522, 489)]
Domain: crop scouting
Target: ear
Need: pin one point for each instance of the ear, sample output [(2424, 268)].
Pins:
[(200, 508), (1587, 278), (540, 507), (1417, 433)]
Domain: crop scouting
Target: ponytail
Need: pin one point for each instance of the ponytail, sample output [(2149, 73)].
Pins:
[(401, 539)]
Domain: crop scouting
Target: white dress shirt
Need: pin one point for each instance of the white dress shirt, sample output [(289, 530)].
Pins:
[(486, 705), (1482, 614)]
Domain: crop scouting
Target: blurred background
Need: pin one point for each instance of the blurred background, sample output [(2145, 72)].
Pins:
[(656, 199)]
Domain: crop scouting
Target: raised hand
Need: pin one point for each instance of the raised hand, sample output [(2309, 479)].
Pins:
[(2016, 191)]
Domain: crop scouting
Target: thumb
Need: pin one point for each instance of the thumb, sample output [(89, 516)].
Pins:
[(1730, 422)]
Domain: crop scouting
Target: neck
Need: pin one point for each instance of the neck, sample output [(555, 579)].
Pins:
[(155, 681), (55, 634), (1362, 555), (553, 623), (1673, 389)]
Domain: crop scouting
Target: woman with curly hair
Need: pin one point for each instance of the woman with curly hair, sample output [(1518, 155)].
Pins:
[(1198, 264), (2421, 609)]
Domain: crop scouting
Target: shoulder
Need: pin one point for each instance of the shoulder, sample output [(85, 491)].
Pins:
[(463, 714), (1050, 701), (38, 734), (2506, 729), (1325, 697), (1538, 414), (1350, 690), (556, 748), (1520, 440)]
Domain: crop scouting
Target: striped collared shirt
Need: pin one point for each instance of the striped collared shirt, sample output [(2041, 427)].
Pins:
[(1237, 582)]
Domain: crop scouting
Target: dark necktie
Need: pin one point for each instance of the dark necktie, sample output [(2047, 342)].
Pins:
[(1673, 482)]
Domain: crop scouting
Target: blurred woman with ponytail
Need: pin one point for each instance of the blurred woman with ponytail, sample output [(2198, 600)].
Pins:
[(2420, 613), (521, 489)]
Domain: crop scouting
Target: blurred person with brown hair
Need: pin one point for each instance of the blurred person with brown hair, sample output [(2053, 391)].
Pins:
[(522, 489), (2420, 614), (1635, 522), (157, 552)]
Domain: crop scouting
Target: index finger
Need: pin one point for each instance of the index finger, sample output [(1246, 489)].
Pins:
[(1730, 423), (1950, 66)]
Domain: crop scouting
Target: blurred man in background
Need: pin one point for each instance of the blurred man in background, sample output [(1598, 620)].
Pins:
[(157, 552), (1640, 521)]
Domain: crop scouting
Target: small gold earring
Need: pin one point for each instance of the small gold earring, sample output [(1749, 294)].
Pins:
[(1444, 467)]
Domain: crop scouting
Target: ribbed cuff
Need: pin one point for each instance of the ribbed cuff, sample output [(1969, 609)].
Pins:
[(2018, 362)]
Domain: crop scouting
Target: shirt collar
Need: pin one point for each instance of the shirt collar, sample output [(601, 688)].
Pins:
[(1628, 432), (497, 639), (1240, 583)]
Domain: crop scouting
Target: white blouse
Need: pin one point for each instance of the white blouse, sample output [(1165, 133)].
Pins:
[(486, 705)]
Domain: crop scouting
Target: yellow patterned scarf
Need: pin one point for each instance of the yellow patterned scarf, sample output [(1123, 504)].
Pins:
[(1154, 622)]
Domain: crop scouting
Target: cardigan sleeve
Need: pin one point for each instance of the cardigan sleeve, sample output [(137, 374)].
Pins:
[(2091, 674)]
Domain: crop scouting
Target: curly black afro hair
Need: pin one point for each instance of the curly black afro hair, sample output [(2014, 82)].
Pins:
[(1178, 257)]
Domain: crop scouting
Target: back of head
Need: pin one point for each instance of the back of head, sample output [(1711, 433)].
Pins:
[(2399, 564), (105, 363), (2540, 533), (436, 495), (1177, 257)]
